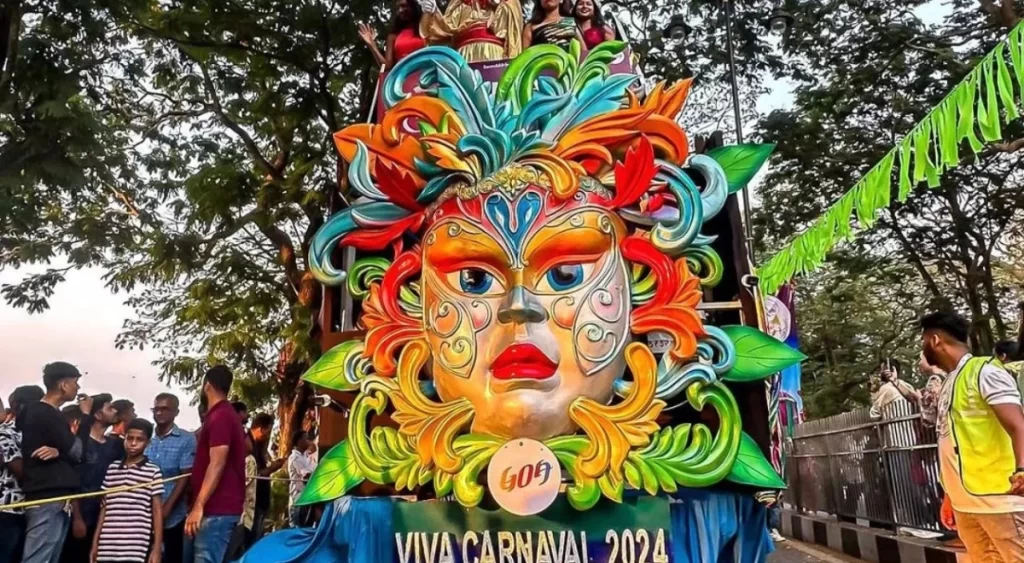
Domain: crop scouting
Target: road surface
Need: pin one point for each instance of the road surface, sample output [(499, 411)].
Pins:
[(791, 551)]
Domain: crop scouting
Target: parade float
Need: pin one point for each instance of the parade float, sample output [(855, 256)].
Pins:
[(523, 306)]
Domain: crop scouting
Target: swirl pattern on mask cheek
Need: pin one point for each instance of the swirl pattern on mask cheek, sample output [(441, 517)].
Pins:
[(608, 329), (485, 307), (563, 311), (457, 349)]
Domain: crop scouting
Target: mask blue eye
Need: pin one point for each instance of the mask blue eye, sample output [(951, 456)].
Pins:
[(566, 276), (475, 281)]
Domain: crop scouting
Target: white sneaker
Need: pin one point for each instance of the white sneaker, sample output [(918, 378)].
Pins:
[(777, 536)]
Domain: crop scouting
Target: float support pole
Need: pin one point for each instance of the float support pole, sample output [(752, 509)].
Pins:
[(727, 8)]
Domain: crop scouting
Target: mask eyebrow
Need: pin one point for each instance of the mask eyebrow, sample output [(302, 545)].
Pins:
[(553, 246), (468, 247)]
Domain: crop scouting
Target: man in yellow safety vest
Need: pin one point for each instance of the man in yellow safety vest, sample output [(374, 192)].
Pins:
[(981, 443)]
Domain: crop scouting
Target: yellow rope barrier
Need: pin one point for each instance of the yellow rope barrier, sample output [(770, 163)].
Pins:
[(67, 498), (79, 496)]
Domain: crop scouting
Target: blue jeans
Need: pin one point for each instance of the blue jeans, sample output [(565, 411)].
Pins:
[(211, 541), (774, 517), (45, 529)]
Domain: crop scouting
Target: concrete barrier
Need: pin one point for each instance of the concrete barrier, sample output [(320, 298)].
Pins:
[(869, 544)]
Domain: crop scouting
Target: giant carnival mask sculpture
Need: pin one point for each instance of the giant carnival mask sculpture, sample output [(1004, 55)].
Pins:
[(541, 228)]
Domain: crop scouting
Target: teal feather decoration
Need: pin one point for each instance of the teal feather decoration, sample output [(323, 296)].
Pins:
[(597, 97), (465, 92), (359, 174)]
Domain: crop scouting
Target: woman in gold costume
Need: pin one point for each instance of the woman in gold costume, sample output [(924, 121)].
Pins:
[(480, 30)]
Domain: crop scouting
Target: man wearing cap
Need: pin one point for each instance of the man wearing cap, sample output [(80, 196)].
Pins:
[(49, 472)]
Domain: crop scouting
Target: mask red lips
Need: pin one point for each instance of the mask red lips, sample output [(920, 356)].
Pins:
[(523, 361)]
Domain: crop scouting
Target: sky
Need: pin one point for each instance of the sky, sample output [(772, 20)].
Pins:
[(84, 319), (80, 327)]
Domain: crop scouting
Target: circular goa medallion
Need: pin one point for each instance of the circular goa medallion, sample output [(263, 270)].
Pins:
[(524, 477)]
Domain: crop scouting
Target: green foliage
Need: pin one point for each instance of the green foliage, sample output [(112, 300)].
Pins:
[(857, 93), (752, 468), (741, 162), (849, 323), (185, 150), (971, 110), (335, 475), (758, 355)]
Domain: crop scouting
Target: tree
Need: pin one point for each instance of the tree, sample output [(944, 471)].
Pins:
[(185, 148), (861, 87), (702, 54), (849, 323)]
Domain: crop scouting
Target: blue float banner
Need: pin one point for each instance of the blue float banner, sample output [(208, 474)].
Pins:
[(704, 526), (634, 531)]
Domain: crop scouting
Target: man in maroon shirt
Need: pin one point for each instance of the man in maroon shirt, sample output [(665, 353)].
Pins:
[(218, 474)]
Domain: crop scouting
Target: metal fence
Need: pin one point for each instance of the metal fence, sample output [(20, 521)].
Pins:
[(885, 470)]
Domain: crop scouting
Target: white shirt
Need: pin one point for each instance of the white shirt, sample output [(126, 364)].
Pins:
[(998, 388), (300, 467)]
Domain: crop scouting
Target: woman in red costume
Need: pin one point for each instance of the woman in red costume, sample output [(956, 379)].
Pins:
[(404, 38), (591, 24)]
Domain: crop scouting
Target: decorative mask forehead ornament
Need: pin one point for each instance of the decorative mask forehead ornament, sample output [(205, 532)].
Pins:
[(541, 228)]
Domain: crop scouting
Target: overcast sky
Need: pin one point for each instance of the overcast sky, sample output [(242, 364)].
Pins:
[(80, 327)]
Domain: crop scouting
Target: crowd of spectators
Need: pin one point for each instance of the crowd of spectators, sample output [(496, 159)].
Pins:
[(84, 479)]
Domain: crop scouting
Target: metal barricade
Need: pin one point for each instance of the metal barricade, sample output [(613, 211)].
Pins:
[(884, 470)]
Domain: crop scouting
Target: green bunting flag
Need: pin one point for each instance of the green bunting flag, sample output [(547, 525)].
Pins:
[(973, 113)]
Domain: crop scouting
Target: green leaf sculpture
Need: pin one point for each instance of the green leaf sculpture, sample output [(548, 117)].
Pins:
[(741, 162), (751, 467), (340, 368), (758, 355), (336, 474)]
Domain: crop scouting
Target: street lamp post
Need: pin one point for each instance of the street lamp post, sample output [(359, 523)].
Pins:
[(748, 229), (778, 22)]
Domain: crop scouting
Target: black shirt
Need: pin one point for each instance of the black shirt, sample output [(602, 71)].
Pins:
[(43, 425), (92, 470), (262, 485)]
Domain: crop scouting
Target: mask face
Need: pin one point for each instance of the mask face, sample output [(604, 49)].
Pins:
[(526, 308)]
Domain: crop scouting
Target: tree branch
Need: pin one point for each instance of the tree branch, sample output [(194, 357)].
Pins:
[(237, 45), (1005, 12), (285, 253), (250, 144), (11, 36)]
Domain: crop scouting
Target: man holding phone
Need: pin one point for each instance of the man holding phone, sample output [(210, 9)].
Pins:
[(50, 471), (887, 388)]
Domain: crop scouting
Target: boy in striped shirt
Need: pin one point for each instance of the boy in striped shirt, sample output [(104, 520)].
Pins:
[(131, 524)]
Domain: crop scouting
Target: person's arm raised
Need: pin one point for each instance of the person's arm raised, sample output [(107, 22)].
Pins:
[(369, 36)]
